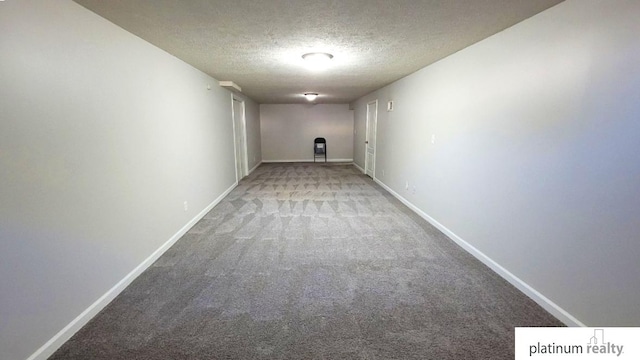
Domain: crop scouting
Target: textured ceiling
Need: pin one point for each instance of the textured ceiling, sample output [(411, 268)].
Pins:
[(258, 44)]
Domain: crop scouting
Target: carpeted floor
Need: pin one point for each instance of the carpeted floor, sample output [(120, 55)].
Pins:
[(309, 261)]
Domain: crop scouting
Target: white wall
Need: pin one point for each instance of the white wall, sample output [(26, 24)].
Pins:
[(536, 160), (288, 131), (102, 138)]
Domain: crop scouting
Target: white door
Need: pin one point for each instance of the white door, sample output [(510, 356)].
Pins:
[(370, 141), (240, 135)]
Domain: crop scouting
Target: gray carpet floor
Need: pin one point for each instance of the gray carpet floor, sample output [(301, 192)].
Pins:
[(310, 261)]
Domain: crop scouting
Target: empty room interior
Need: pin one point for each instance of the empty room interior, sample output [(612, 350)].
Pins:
[(164, 193)]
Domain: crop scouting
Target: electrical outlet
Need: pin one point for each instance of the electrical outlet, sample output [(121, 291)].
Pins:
[(406, 186), (382, 172), (186, 206), (433, 138), (413, 189)]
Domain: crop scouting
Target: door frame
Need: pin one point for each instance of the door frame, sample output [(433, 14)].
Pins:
[(240, 128), (366, 139)]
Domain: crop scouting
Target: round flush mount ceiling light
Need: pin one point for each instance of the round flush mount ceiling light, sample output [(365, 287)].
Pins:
[(317, 60), (311, 96)]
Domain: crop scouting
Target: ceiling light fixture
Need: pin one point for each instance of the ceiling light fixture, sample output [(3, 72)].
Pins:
[(317, 60), (311, 96)]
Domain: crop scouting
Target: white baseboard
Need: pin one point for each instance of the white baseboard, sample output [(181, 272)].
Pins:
[(525, 288), (359, 168), (76, 324), (255, 167), (307, 160)]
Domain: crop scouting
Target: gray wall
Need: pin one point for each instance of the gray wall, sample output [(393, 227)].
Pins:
[(536, 160), (288, 131), (102, 139)]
